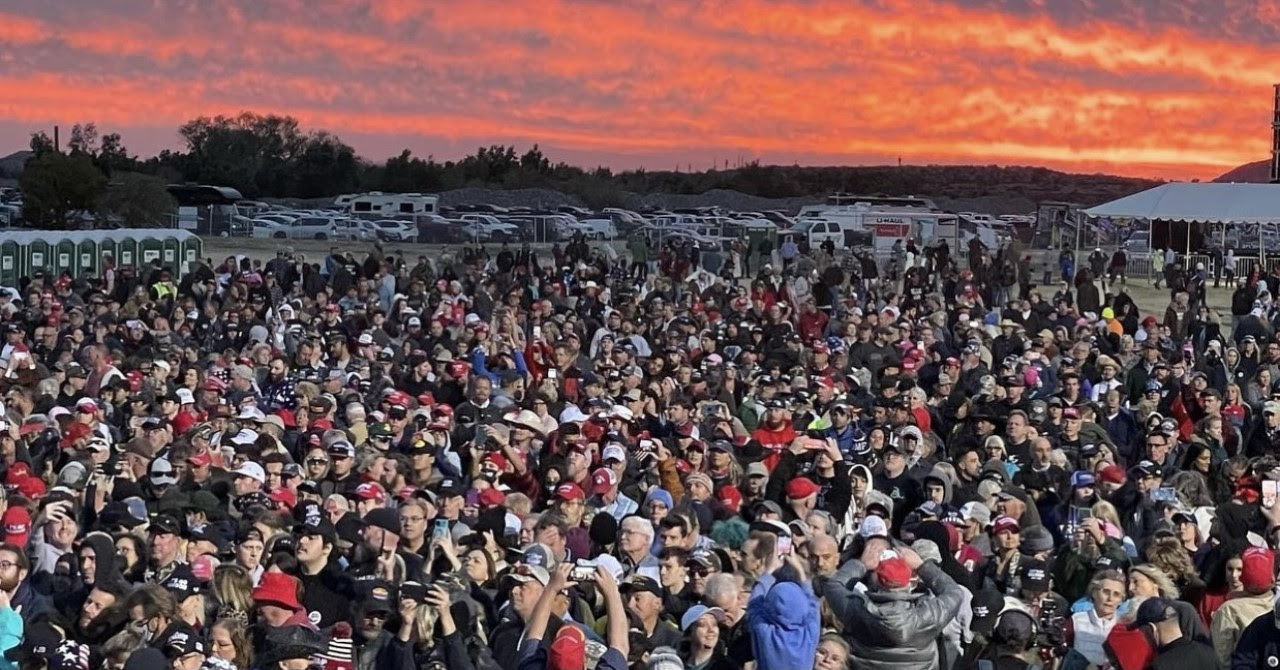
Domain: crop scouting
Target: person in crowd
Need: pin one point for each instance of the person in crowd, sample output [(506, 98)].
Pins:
[(514, 458)]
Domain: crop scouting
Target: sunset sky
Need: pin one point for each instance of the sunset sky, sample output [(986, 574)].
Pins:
[(1153, 88)]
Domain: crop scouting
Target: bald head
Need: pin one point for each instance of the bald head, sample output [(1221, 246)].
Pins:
[(824, 555)]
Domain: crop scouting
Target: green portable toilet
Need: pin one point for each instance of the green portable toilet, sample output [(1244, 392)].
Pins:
[(10, 261), (37, 257), (89, 257), (126, 251), (191, 252), (172, 254), (64, 255), (150, 248), (108, 246)]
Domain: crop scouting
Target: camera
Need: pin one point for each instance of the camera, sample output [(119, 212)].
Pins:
[(583, 572), (1049, 634)]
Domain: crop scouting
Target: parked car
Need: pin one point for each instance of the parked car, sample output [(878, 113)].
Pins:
[(443, 232), (1138, 243), (595, 229), (304, 228), (355, 230), (487, 228), (270, 228), (658, 236), (392, 230)]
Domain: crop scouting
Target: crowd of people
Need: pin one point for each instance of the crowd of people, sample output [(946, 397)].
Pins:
[(494, 459)]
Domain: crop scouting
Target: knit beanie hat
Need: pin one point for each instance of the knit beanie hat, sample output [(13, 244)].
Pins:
[(665, 658), (338, 652)]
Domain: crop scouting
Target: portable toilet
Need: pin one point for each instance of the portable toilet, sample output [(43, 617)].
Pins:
[(10, 262), (108, 246), (64, 255), (126, 251), (172, 254), (150, 248), (758, 231), (89, 256), (192, 248), (37, 256)]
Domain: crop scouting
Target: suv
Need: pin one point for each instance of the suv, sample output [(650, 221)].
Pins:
[(393, 230), (312, 228), (596, 229)]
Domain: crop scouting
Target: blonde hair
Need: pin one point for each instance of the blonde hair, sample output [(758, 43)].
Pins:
[(519, 504), (233, 588), (1107, 512), (1155, 573), (1167, 555)]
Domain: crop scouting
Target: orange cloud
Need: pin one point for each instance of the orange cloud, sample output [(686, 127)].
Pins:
[(810, 81)]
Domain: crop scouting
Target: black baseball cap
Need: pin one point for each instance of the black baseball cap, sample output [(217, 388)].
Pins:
[(1155, 610)]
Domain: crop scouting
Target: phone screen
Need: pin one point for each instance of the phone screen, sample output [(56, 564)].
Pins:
[(551, 374), (1269, 490), (784, 545), (441, 529)]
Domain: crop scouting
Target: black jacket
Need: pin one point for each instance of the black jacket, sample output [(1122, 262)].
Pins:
[(328, 596)]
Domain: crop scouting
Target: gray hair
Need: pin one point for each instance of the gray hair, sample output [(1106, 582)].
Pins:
[(828, 523), (639, 525), (722, 589)]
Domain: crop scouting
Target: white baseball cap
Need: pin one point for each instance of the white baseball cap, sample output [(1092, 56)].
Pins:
[(251, 470)]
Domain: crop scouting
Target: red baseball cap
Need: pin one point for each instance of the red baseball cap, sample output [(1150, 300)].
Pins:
[(17, 472), (200, 458), (17, 526), (1256, 575), (801, 487), (569, 650), (492, 497), (371, 491), (32, 488), (1112, 474), (1004, 524), (497, 459), (894, 573), (283, 496), (603, 480), (570, 492)]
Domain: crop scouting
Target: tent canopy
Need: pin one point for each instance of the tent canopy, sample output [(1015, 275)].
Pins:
[(1209, 202)]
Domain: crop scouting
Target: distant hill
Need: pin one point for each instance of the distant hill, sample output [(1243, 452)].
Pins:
[(1249, 173), (11, 165)]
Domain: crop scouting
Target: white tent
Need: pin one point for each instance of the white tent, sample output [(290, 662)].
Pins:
[(1188, 202)]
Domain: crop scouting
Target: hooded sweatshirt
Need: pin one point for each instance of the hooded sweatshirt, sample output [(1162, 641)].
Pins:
[(105, 571), (943, 476), (783, 618)]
